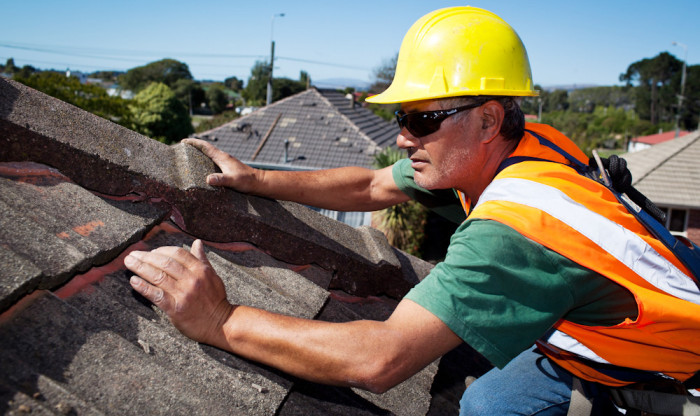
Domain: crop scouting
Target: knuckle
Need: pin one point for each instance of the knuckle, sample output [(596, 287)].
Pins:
[(160, 277), (157, 296), (165, 263)]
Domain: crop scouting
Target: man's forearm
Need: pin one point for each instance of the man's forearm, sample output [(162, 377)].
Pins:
[(340, 189), (371, 355)]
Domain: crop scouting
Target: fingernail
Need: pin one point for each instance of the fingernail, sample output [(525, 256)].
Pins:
[(212, 179), (129, 260), (135, 281)]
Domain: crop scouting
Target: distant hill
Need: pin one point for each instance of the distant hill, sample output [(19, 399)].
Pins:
[(569, 87)]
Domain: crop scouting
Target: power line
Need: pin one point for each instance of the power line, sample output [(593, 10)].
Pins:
[(125, 55)]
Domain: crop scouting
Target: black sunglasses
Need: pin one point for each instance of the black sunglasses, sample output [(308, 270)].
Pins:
[(428, 122)]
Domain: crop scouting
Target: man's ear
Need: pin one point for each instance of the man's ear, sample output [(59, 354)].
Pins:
[(492, 114)]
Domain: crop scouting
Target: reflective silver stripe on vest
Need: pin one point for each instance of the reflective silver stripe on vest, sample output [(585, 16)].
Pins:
[(621, 243), (568, 343), (618, 241)]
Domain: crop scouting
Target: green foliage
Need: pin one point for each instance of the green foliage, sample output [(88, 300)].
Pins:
[(403, 224), (217, 121), (255, 92), (17, 72), (166, 71), (234, 84), (383, 75), (216, 98), (190, 93), (157, 113), (605, 127), (90, 98), (585, 100), (108, 76), (656, 94), (690, 112), (9, 66), (285, 87)]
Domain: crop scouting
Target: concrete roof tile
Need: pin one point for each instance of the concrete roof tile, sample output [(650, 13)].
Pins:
[(77, 193)]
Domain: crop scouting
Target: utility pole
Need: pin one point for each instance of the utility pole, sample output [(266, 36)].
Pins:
[(681, 96), (272, 57)]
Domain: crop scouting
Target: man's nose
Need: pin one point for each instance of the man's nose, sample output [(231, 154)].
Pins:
[(406, 140)]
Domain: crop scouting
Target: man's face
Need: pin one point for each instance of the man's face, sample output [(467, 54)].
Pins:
[(446, 158)]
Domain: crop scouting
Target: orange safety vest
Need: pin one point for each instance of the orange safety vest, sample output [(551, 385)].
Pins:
[(579, 218)]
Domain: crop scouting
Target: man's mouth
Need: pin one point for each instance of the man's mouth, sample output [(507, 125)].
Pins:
[(418, 162)]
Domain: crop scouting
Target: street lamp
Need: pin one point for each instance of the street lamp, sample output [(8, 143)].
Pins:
[(681, 95), (272, 56)]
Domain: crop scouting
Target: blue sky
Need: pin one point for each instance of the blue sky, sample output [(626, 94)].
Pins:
[(568, 42)]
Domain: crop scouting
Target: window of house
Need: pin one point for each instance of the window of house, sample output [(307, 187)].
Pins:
[(676, 220)]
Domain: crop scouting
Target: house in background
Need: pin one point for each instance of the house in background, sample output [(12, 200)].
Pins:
[(645, 142), (314, 129), (668, 174)]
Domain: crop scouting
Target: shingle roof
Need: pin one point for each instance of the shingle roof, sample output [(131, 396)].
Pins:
[(319, 126), (77, 193), (668, 173)]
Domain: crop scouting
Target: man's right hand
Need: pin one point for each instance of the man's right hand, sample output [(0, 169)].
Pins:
[(234, 173), (340, 189)]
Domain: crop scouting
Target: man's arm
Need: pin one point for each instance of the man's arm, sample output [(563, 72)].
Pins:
[(341, 189), (372, 355)]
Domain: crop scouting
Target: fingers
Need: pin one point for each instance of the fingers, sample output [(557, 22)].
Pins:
[(197, 251), (208, 149), (223, 160), (154, 294), (159, 265)]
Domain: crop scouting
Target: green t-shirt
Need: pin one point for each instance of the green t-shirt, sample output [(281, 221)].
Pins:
[(500, 291)]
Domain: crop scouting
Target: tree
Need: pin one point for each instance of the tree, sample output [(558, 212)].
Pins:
[(586, 99), (383, 75), (109, 76), (234, 84), (9, 67), (166, 71), (255, 90), (690, 114), (216, 98), (403, 224), (190, 93), (304, 78), (655, 93), (90, 98), (285, 87), (157, 113)]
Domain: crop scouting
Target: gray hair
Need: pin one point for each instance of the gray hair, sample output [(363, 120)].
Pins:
[(513, 127)]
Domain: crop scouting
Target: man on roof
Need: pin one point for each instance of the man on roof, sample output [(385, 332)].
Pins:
[(549, 277)]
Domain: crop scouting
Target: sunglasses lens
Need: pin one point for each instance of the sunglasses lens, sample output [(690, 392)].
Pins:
[(418, 124)]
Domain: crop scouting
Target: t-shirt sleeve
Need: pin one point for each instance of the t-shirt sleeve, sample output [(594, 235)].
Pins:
[(496, 289), (444, 202)]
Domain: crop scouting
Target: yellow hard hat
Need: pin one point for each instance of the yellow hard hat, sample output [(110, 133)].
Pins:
[(459, 51)]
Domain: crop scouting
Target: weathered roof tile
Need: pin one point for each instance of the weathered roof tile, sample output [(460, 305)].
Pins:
[(77, 193)]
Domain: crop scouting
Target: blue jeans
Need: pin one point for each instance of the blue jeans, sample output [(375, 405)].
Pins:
[(530, 384)]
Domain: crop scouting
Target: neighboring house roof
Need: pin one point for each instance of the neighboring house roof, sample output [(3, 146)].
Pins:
[(668, 173), (319, 129), (658, 138), (77, 193)]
